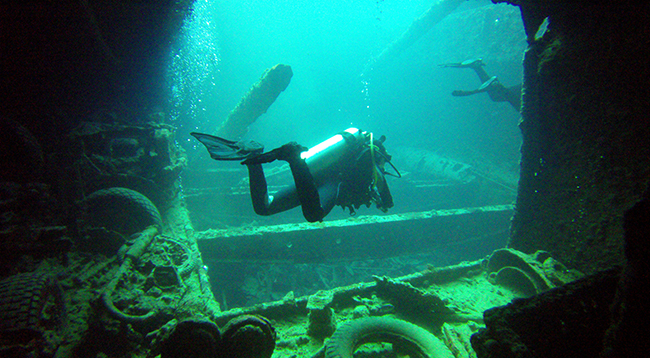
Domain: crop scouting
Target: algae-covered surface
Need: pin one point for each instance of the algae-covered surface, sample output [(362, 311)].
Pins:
[(448, 302), (467, 297)]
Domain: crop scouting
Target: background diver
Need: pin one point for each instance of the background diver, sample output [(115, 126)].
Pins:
[(345, 170), (489, 84)]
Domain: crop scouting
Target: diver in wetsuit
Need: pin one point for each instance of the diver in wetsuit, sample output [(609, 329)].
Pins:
[(491, 85), (345, 170)]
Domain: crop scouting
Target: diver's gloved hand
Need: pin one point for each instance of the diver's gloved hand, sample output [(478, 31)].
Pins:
[(289, 152)]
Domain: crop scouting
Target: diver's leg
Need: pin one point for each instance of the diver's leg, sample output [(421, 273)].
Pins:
[(263, 203), (328, 193), (481, 73), (513, 96), (487, 86), (475, 64), (259, 189), (461, 93), (306, 188), (501, 93)]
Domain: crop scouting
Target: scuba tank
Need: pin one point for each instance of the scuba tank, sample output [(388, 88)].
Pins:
[(322, 162), (321, 157)]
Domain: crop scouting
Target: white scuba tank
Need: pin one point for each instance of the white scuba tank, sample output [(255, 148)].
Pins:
[(321, 156)]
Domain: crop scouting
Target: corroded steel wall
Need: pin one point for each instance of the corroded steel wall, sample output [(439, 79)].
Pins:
[(585, 154)]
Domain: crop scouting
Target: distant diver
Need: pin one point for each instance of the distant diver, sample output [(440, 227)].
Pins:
[(345, 170), (489, 84)]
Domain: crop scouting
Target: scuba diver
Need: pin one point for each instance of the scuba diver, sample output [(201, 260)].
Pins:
[(491, 85), (345, 170)]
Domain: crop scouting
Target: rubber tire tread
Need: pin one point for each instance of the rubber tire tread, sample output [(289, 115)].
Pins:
[(122, 210), (352, 334), (22, 298)]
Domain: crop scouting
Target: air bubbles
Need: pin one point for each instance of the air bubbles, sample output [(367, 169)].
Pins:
[(193, 62)]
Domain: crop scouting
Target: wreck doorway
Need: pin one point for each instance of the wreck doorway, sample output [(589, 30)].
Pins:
[(459, 155)]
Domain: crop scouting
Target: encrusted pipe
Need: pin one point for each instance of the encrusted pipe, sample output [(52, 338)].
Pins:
[(257, 101), (132, 255)]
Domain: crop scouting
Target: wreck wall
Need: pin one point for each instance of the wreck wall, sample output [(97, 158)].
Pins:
[(585, 153)]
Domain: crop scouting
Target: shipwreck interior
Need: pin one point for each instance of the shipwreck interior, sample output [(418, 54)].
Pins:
[(118, 243)]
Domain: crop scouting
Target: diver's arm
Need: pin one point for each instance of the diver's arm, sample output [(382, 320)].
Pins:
[(481, 73), (259, 189), (501, 93)]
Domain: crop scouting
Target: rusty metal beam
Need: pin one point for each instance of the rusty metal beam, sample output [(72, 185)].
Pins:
[(362, 237)]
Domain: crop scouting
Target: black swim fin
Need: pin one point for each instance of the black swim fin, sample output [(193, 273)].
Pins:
[(485, 85), (472, 63), (223, 149)]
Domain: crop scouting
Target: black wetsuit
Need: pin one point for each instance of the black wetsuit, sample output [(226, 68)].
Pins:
[(348, 182), (494, 88), (346, 179)]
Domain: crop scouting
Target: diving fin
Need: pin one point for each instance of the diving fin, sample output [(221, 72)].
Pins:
[(223, 149), (475, 62), (485, 85)]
